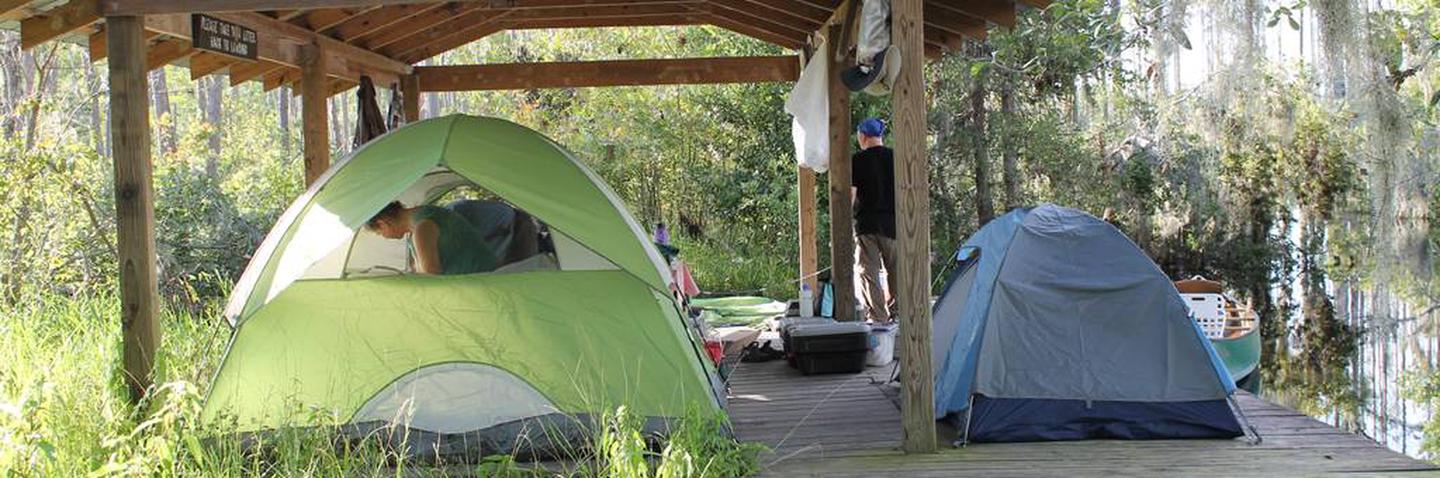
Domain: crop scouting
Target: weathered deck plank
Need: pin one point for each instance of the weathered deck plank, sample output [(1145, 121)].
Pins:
[(849, 425)]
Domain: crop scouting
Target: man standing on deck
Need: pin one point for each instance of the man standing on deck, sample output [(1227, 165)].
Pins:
[(873, 193)]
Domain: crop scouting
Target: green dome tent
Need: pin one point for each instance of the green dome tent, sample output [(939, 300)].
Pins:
[(325, 319)]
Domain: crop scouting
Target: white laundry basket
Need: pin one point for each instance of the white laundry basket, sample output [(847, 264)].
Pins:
[(882, 345)]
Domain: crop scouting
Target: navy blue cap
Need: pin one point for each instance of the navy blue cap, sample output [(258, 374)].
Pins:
[(871, 127)]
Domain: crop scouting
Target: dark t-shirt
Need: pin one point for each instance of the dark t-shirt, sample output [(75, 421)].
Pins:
[(873, 175)]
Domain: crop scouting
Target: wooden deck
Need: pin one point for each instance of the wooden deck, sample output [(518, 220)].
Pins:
[(849, 425)]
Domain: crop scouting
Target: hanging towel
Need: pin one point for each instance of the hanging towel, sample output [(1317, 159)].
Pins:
[(395, 115), (684, 279), (369, 124), (809, 105)]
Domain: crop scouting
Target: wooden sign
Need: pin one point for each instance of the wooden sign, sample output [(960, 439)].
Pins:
[(213, 34)]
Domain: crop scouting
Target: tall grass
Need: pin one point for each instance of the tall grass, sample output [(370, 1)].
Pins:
[(63, 412)]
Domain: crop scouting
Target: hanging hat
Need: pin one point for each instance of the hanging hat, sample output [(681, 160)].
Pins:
[(860, 76), (885, 79)]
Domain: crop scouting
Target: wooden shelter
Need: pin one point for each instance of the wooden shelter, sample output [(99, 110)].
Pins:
[(322, 47)]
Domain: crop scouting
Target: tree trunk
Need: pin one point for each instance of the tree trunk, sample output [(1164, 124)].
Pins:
[(283, 107), (99, 134), (214, 90), (17, 67), (45, 83), (1010, 157), (160, 102), (984, 203), (432, 105), (337, 127)]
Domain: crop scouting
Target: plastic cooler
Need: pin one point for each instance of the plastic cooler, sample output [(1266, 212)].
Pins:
[(788, 324), (830, 348)]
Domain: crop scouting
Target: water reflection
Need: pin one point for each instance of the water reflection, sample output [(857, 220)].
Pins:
[(1361, 353)]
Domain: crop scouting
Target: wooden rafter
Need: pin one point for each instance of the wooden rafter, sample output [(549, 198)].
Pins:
[(248, 71), (61, 20), (999, 12), (463, 26), (607, 22), (815, 18), (685, 71), (360, 25), (454, 40), (205, 63), (956, 23), (287, 15), (425, 23), (166, 51), (151, 7), (325, 19), (761, 18), (333, 47), (728, 20), (614, 11), (99, 44), (281, 77), (10, 9)]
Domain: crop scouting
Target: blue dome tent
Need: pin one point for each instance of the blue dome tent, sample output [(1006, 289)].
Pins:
[(1055, 326)]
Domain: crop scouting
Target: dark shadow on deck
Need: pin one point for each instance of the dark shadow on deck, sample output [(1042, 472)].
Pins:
[(849, 425)]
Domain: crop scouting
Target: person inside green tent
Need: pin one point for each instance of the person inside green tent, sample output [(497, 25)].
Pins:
[(441, 241)]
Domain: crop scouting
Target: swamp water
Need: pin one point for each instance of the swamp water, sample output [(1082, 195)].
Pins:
[(1382, 384)]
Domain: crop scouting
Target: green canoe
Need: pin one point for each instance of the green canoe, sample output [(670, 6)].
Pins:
[(1232, 327), (1241, 354)]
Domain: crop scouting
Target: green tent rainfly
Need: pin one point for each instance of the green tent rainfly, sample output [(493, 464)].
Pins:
[(325, 322)]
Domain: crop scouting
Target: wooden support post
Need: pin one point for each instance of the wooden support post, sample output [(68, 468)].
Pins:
[(805, 199), (912, 215), (315, 95), (809, 257), (410, 94), (842, 217), (134, 200)]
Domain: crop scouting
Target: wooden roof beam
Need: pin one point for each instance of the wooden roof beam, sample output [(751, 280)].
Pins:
[(462, 26), (156, 7), (281, 77), (429, 23), (999, 12), (615, 11), (374, 20), (248, 71), (206, 63), (745, 12), (61, 20), (643, 21), (583, 74), (784, 40), (166, 51), (99, 43), (11, 9), (153, 7), (745, 24), (333, 48), (954, 23), (790, 8), (282, 47), (454, 40), (322, 20)]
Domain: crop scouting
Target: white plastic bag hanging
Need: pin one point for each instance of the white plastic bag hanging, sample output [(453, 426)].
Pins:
[(809, 104)]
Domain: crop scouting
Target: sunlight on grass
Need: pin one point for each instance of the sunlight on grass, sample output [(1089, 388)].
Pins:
[(63, 413)]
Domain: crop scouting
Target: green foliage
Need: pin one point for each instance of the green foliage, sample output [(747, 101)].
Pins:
[(63, 412), (1423, 386)]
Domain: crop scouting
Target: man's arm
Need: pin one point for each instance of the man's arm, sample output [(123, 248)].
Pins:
[(426, 238)]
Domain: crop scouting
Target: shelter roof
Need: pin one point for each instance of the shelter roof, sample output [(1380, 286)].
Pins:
[(384, 38)]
